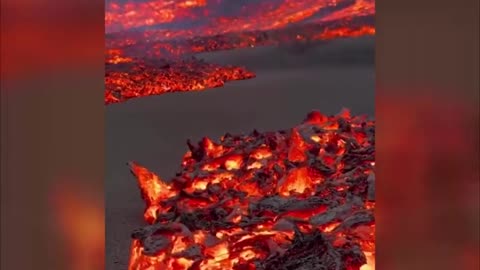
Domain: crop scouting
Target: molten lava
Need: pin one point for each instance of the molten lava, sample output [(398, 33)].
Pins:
[(302, 198), (159, 56), (142, 78), (223, 16)]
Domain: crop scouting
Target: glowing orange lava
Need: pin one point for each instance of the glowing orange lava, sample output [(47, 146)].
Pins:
[(303, 196), (158, 57)]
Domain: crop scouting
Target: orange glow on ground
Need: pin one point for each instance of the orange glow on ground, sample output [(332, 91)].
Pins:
[(220, 212)]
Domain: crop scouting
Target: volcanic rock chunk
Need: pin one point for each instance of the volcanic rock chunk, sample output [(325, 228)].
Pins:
[(359, 218), (320, 166), (277, 204), (193, 252), (197, 152), (343, 125), (155, 243), (195, 220), (270, 207), (337, 213), (313, 251)]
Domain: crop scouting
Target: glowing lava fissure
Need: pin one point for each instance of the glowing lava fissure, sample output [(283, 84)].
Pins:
[(132, 57), (301, 198)]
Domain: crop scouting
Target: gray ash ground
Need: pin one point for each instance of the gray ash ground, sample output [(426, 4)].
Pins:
[(153, 130)]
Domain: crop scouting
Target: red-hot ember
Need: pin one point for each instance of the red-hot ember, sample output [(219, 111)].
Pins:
[(160, 58), (143, 78), (302, 198)]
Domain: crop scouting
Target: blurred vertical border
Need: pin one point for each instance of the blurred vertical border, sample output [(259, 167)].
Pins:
[(52, 134), (427, 116)]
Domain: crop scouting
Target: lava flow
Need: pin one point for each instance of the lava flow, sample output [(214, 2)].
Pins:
[(143, 78), (301, 198), (211, 17), (151, 45)]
